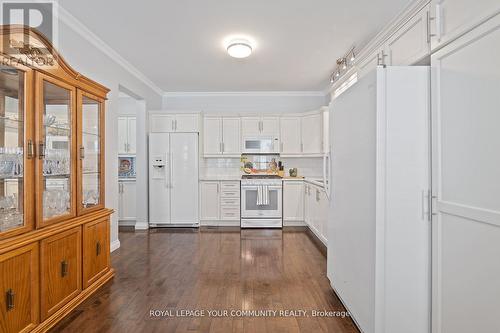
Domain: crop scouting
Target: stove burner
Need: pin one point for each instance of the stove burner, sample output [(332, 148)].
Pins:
[(260, 177)]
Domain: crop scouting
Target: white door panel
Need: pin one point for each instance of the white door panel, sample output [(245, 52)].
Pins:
[(212, 136), (122, 135), (184, 178), (132, 135), (159, 184), (231, 136), (290, 135), (466, 178)]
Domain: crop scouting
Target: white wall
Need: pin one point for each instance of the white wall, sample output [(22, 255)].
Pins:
[(244, 102), (87, 59)]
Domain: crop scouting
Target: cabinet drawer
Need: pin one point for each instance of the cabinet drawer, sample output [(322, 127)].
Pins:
[(61, 261), (230, 194), (19, 287), (230, 186), (233, 202), (95, 251), (230, 213)]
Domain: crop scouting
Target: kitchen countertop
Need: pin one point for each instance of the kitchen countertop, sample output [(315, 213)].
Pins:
[(220, 177), (317, 181)]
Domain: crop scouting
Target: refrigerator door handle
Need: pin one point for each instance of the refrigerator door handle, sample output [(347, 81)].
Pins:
[(171, 169), (167, 172)]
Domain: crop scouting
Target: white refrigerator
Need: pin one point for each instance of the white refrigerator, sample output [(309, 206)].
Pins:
[(379, 217), (173, 179)]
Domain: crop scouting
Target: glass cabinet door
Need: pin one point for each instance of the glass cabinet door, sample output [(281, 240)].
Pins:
[(16, 169), (56, 151), (90, 187)]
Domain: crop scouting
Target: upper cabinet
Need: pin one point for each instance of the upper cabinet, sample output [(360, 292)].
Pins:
[(221, 136), (411, 43), (127, 135), (169, 123), (260, 126), (51, 139), (452, 18), (312, 134), (290, 135)]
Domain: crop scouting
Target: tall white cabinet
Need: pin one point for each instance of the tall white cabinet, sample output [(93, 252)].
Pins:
[(379, 230), (466, 173)]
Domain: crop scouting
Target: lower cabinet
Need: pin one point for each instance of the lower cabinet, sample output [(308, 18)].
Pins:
[(19, 306), (316, 210), (220, 202), (95, 251), (60, 265), (127, 207), (293, 201)]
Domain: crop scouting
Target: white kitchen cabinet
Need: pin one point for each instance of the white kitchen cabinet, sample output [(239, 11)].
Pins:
[(169, 123), (187, 123), (290, 135), (251, 126), (453, 18), (411, 43), (209, 201), (212, 136), (270, 126), (260, 126), (132, 135), (312, 134), (466, 173), (316, 210), (293, 201), (220, 202), (221, 137), (231, 136), (127, 201), (126, 135)]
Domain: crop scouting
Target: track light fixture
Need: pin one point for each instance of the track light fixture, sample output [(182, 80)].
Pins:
[(343, 65)]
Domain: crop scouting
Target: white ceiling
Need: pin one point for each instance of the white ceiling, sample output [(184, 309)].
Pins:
[(178, 44)]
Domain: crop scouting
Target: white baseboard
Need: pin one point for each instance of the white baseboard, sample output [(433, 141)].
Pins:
[(125, 223), (141, 226), (115, 245), (294, 224)]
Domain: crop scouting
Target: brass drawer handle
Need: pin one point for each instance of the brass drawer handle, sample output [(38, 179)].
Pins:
[(98, 248), (82, 152), (64, 268), (31, 150), (10, 299)]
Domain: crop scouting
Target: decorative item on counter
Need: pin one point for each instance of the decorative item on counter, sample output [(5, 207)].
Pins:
[(293, 172), (126, 167), (273, 166)]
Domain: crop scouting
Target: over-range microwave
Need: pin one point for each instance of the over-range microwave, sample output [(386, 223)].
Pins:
[(260, 145)]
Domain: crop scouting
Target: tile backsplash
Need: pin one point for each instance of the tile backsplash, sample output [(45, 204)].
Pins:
[(306, 166)]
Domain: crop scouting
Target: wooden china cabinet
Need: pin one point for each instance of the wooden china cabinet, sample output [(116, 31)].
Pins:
[(54, 228)]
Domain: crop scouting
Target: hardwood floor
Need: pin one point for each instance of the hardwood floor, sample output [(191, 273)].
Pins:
[(212, 269)]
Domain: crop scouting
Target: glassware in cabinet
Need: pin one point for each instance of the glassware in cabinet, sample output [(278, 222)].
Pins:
[(56, 151), (15, 137), (90, 140)]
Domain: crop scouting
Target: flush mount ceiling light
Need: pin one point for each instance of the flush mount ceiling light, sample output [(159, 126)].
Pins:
[(240, 48)]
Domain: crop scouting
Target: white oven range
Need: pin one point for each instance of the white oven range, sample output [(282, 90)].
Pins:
[(261, 201)]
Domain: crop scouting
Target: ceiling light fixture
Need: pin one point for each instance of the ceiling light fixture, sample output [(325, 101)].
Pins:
[(239, 48), (344, 65)]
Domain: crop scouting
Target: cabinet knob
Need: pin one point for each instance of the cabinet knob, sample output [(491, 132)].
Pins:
[(64, 268), (10, 299)]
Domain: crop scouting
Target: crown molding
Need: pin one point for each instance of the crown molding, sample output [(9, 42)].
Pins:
[(76, 25), (382, 36), (245, 94)]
